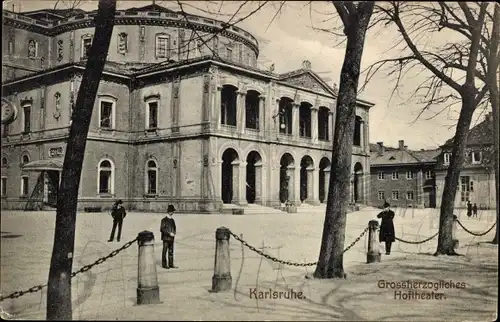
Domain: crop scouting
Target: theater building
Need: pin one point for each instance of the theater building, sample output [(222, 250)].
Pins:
[(182, 116)]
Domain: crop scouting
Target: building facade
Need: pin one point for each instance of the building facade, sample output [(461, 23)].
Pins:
[(402, 177), (190, 123), (477, 176)]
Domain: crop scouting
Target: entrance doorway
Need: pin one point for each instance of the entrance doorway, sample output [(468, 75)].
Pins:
[(358, 183), (286, 173), (229, 158), (306, 165), (254, 177)]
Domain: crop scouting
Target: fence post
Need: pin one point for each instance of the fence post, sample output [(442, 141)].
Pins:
[(148, 291), (454, 232), (373, 254), (222, 281)]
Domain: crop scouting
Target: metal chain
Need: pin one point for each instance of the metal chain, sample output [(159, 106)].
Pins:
[(416, 242), (473, 233), (85, 268), (277, 260)]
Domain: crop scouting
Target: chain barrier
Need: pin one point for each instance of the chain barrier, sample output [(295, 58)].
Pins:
[(473, 233), (416, 242), (85, 268), (290, 263)]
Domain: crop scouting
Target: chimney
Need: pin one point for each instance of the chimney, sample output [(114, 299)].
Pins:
[(401, 144), (380, 148)]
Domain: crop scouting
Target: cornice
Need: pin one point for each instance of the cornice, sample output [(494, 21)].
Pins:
[(87, 21)]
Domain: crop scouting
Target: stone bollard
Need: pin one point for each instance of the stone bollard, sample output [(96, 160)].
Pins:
[(454, 232), (373, 254), (222, 281), (148, 291)]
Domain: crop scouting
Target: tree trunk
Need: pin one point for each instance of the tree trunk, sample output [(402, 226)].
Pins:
[(331, 253), (59, 306), (445, 240), (494, 86)]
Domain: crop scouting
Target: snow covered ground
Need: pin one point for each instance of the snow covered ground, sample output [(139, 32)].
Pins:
[(108, 291)]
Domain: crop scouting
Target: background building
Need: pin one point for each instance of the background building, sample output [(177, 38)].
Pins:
[(403, 177), (477, 176), (179, 121)]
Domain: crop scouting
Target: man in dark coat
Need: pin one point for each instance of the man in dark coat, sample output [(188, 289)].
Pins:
[(168, 231), (118, 213), (469, 208), (387, 233), (474, 210)]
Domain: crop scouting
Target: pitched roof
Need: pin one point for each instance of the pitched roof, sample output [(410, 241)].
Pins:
[(395, 156), (479, 134)]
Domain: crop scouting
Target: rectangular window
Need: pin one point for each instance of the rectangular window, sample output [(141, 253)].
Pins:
[(428, 174), (447, 157), (152, 182), (395, 175), (476, 157), (152, 115), (162, 46), (27, 118), (395, 195), (106, 120), (381, 195), (105, 181), (409, 195), (24, 186), (4, 186), (86, 45), (409, 175), (229, 53), (381, 175)]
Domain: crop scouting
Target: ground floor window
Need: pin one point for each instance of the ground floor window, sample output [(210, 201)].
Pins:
[(24, 186), (106, 171), (409, 195), (381, 195), (395, 195)]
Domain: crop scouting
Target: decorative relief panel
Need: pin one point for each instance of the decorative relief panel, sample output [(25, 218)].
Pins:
[(307, 81), (142, 40), (72, 46), (60, 50)]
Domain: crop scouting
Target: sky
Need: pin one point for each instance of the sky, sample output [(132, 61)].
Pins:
[(289, 35)]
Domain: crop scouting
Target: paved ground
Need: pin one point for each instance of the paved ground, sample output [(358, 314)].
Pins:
[(108, 291)]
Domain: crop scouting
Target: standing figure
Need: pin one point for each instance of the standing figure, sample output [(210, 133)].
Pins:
[(474, 210), (469, 208), (168, 231), (118, 213), (387, 233)]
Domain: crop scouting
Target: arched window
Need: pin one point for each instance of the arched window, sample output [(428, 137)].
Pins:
[(151, 178), (106, 177), (25, 159), (357, 131)]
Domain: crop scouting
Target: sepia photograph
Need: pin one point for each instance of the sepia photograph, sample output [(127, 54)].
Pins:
[(249, 160)]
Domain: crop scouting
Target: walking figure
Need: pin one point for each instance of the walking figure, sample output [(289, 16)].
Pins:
[(168, 231), (469, 209), (387, 233), (474, 210), (118, 213)]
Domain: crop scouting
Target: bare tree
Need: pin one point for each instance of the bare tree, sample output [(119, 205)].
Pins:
[(493, 83), (59, 306), (355, 18), (466, 58)]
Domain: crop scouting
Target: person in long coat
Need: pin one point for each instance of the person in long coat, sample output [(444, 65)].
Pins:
[(118, 213), (168, 231), (387, 233)]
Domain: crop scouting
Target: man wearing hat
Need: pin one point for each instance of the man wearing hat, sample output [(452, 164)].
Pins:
[(387, 233), (168, 231), (118, 213)]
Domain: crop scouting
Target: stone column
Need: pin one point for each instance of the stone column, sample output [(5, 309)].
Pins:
[(258, 183), (367, 139), (331, 125), (362, 135), (236, 182), (314, 124), (313, 186), (295, 120), (290, 172), (327, 182), (276, 118), (242, 187), (295, 186), (262, 119), (420, 189), (217, 106), (217, 171), (241, 111)]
